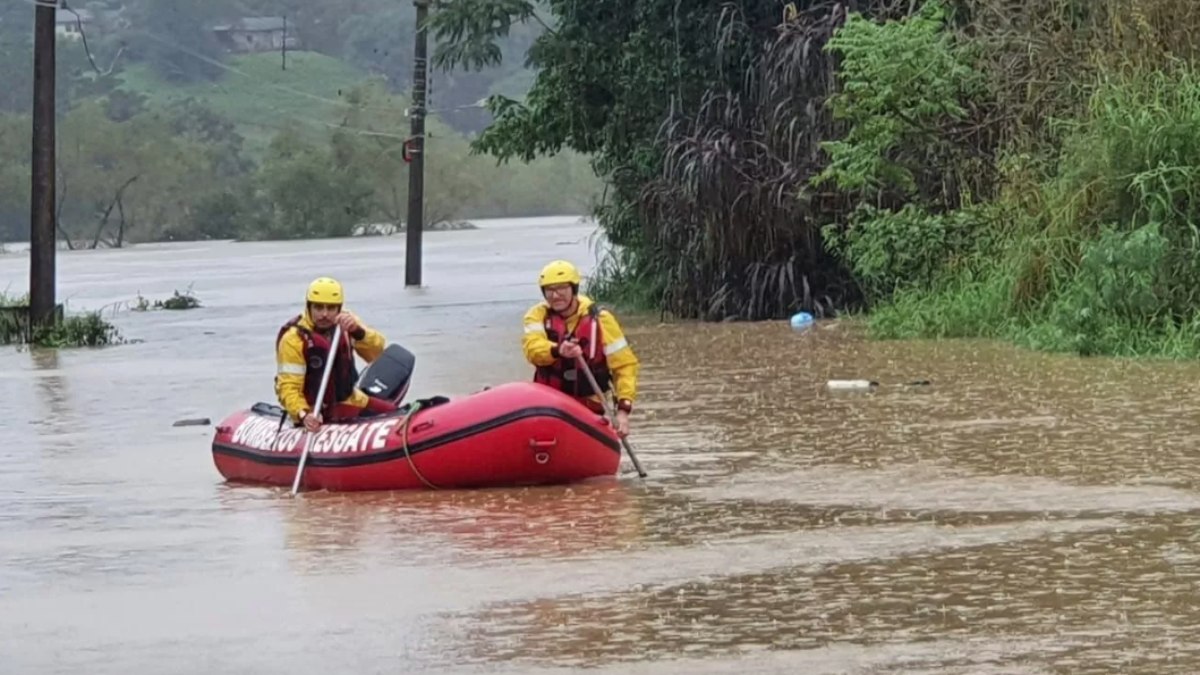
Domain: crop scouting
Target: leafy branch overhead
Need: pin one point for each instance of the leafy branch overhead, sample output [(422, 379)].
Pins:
[(466, 33), (905, 87), (467, 30)]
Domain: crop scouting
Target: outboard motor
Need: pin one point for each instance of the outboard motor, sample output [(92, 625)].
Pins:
[(388, 377)]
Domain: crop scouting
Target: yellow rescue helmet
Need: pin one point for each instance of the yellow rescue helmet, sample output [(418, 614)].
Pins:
[(559, 272), (325, 291)]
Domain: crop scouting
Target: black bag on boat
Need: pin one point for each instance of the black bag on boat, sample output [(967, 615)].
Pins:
[(423, 403)]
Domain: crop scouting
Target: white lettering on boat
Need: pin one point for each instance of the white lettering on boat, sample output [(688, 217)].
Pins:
[(261, 433)]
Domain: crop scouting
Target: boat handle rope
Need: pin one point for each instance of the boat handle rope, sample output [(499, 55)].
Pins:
[(416, 405)]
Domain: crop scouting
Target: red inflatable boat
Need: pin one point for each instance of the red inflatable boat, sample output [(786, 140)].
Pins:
[(520, 433)]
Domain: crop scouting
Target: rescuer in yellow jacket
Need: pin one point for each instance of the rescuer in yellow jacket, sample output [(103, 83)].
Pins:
[(566, 325), (301, 348)]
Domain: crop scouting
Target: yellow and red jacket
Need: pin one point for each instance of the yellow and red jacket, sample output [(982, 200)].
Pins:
[(605, 349), (300, 353)]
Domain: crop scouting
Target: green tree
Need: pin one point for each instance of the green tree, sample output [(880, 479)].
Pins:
[(16, 53), (14, 178), (120, 181), (908, 88), (313, 191), (637, 82), (228, 213), (218, 136)]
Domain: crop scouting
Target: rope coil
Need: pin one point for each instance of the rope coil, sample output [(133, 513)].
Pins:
[(404, 439)]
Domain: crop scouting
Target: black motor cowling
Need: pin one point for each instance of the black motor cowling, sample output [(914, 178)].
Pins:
[(389, 376)]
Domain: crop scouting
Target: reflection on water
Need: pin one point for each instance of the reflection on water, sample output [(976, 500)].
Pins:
[(331, 532), (1023, 513), (51, 396)]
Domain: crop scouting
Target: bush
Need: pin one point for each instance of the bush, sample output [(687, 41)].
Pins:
[(81, 330), (1090, 245), (909, 248)]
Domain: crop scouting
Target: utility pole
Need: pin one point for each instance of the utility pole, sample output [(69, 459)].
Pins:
[(416, 168), (283, 47), (42, 242)]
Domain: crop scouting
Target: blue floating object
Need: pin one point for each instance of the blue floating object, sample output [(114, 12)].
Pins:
[(802, 321)]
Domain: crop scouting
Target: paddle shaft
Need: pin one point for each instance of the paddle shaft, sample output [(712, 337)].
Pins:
[(580, 364), (308, 436)]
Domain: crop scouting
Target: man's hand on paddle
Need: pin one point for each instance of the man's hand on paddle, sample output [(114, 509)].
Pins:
[(312, 421), (570, 350), (347, 322), (622, 427)]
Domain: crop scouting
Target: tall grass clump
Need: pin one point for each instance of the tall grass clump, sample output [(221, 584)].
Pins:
[(1126, 201), (1104, 256), (732, 228)]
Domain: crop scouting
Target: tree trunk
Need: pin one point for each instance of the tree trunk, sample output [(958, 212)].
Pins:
[(62, 200), (117, 197)]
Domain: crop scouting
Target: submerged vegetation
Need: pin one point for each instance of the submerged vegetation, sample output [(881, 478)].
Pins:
[(70, 330), (1025, 170), (177, 301), (87, 329)]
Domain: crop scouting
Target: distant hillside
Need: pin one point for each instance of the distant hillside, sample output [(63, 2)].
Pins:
[(135, 166), (259, 96)]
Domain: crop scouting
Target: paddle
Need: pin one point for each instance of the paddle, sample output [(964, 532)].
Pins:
[(308, 436), (580, 364)]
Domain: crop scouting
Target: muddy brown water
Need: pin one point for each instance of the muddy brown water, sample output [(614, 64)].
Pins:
[(1025, 513)]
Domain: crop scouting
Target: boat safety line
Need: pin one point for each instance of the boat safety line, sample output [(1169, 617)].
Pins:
[(404, 439)]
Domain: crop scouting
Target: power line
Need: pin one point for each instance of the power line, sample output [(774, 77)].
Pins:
[(87, 50), (273, 85), (329, 101)]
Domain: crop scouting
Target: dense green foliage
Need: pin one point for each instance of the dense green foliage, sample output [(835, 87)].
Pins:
[(1024, 170), (1083, 234)]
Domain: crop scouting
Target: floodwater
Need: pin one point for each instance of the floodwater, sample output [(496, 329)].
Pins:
[(1023, 513)]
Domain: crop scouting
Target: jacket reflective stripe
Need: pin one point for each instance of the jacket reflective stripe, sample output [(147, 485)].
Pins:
[(615, 346), (534, 328), (292, 369), (592, 342)]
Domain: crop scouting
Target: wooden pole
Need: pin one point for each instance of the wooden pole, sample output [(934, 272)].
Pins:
[(42, 242), (416, 168)]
